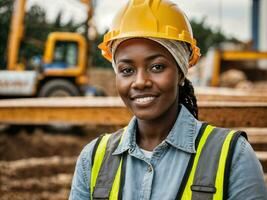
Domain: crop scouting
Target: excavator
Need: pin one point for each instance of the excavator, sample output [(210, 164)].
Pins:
[(60, 72)]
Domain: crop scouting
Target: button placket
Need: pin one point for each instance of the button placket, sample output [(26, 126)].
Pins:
[(147, 182)]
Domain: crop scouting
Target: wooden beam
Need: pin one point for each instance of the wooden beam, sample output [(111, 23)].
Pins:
[(227, 94), (234, 114), (111, 111)]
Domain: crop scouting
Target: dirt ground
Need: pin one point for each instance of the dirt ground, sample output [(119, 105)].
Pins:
[(40, 165)]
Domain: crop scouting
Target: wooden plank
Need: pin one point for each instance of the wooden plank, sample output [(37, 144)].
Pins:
[(251, 98), (111, 111), (66, 115), (228, 94), (62, 102), (262, 155), (234, 114)]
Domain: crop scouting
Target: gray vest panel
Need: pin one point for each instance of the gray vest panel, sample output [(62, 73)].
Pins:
[(108, 168)]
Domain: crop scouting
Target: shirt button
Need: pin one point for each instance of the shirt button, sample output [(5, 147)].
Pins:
[(131, 150), (165, 145), (149, 169)]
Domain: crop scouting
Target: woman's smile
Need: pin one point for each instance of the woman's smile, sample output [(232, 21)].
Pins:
[(144, 100)]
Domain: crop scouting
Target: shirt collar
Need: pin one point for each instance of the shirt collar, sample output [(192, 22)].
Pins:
[(129, 138), (182, 135)]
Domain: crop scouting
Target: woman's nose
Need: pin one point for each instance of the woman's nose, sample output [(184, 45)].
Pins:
[(142, 80)]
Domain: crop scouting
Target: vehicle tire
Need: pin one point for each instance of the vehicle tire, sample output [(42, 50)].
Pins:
[(58, 88)]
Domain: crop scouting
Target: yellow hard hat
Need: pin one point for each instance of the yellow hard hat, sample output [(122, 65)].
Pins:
[(151, 18)]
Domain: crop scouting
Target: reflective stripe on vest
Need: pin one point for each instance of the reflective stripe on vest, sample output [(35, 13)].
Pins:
[(206, 179), (106, 169)]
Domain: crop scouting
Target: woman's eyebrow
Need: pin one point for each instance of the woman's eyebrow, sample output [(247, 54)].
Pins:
[(125, 60), (149, 58), (154, 56)]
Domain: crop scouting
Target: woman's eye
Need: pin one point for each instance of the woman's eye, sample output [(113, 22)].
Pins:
[(158, 68), (126, 71)]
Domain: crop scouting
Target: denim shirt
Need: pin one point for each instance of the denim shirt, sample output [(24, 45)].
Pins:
[(160, 176)]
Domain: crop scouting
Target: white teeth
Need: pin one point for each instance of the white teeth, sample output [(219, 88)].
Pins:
[(144, 99)]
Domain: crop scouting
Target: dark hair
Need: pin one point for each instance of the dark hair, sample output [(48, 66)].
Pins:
[(187, 97)]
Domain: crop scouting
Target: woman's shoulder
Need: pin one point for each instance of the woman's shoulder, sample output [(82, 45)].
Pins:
[(88, 149), (243, 152), (246, 173), (86, 152)]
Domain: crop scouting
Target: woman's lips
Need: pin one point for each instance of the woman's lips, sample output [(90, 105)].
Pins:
[(144, 101)]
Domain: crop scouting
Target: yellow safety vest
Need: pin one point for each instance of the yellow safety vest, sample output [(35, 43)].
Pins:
[(206, 175)]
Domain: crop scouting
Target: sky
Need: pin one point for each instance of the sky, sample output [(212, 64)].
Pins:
[(232, 16)]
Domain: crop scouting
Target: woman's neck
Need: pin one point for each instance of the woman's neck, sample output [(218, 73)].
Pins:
[(151, 133)]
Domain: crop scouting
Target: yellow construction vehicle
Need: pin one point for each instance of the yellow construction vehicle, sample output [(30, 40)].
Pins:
[(251, 63), (60, 72)]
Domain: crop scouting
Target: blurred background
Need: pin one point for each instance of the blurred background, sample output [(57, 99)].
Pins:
[(49, 49)]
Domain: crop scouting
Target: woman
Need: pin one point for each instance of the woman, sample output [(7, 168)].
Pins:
[(164, 152)]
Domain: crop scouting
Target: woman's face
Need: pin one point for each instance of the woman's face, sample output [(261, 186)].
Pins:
[(147, 78)]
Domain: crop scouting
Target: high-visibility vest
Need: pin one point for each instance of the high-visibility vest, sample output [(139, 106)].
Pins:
[(206, 176)]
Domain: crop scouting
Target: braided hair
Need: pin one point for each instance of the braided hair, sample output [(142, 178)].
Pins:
[(187, 97)]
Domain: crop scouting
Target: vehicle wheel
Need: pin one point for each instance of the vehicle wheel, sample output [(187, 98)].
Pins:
[(58, 88)]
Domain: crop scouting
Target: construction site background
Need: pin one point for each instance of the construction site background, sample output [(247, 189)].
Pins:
[(37, 160)]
